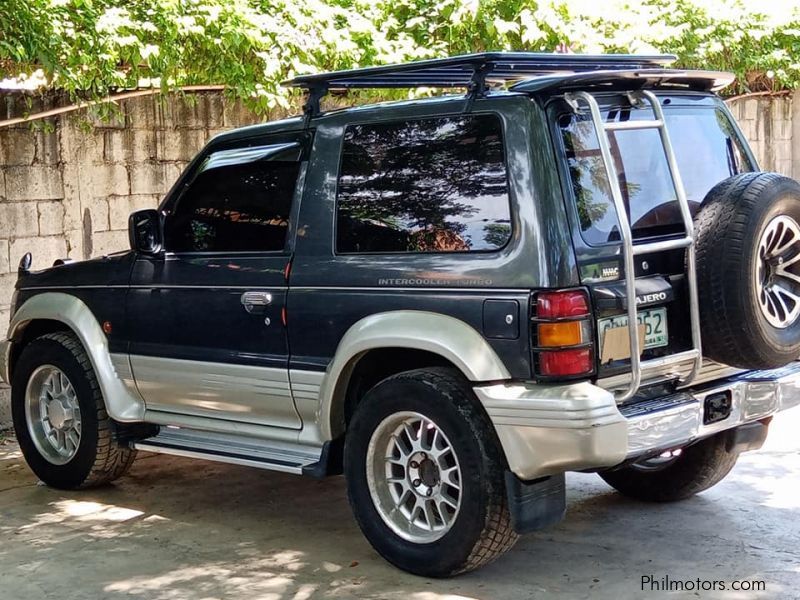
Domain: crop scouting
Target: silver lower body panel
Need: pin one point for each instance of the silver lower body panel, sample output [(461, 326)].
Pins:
[(246, 393)]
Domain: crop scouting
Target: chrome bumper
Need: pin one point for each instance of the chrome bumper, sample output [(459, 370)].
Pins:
[(5, 352), (550, 429)]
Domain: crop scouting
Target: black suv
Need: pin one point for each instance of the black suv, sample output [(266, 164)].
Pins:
[(453, 300)]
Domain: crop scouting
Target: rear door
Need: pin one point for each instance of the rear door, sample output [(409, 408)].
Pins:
[(708, 148), (207, 336)]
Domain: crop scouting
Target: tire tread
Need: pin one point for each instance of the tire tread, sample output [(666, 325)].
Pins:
[(113, 458), (498, 535), (700, 467), (724, 229)]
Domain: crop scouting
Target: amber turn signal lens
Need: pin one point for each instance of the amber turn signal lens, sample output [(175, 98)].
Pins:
[(567, 333)]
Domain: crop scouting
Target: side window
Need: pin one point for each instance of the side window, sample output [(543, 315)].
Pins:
[(432, 185), (240, 200)]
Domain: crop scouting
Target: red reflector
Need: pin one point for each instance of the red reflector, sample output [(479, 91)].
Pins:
[(553, 305), (565, 362)]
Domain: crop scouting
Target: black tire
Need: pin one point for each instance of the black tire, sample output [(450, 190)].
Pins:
[(729, 226), (481, 530), (100, 457), (699, 467)]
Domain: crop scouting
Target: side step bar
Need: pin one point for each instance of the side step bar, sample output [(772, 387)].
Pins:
[(234, 449)]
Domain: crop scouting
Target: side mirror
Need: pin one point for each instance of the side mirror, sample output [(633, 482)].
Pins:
[(145, 231)]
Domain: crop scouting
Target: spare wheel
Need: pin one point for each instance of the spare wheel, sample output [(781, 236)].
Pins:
[(748, 271)]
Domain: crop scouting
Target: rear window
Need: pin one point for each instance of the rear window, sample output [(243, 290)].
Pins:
[(429, 185), (706, 148)]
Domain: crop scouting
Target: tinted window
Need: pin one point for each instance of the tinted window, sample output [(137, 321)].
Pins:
[(234, 207), (434, 185), (706, 148)]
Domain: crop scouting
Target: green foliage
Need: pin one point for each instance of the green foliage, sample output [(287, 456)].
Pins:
[(90, 48)]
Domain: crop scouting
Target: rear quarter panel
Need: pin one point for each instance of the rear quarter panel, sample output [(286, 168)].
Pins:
[(329, 292)]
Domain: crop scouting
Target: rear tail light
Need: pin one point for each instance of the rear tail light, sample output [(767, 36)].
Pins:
[(562, 334), (559, 305), (566, 362)]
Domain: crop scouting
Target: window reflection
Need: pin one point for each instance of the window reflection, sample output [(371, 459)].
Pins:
[(433, 185), (235, 207), (706, 149)]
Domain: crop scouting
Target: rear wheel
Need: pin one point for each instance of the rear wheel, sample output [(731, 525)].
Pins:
[(61, 423), (675, 475), (425, 475)]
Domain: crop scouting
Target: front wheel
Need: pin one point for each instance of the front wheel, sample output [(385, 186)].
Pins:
[(425, 475), (675, 475), (60, 420)]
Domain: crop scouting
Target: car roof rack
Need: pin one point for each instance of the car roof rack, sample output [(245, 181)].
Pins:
[(475, 72), (628, 80)]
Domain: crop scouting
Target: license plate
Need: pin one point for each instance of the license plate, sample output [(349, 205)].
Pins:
[(653, 319)]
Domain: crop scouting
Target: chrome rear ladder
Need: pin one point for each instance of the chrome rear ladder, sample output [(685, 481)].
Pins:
[(630, 250)]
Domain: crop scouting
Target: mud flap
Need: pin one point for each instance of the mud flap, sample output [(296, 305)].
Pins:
[(535, 504)]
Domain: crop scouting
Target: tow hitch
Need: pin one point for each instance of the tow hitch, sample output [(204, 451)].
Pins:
[(717, 407)]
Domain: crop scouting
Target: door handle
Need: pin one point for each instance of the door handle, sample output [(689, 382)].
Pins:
[(253, 301)]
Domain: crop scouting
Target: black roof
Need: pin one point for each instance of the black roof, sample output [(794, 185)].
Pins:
[(476, 70)]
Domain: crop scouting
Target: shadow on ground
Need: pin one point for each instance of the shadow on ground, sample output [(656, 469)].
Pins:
[(176, 529)]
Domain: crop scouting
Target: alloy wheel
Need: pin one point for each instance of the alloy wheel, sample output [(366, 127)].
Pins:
[(414, 477), (778, 272), (53, 414)]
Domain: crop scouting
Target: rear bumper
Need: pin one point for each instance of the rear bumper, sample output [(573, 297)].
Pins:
[(546, 430)]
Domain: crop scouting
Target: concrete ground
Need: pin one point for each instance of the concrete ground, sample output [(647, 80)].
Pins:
[(176, 529)]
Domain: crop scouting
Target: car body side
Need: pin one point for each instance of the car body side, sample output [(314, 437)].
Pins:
[(398, 311)]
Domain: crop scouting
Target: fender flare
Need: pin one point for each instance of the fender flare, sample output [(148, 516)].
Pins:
[(122, 403), (450, 338)]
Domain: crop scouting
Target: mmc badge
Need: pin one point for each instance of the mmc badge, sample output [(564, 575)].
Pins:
[(606, 271)]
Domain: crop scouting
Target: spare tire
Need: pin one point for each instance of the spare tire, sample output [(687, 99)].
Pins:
[(748, 271)]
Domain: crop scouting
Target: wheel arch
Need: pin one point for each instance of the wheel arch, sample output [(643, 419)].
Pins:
[(422, 338), (26, 332), (58, 311)]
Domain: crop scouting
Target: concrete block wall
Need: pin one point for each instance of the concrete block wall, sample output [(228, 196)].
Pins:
[(68, 185), (772, 126)]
